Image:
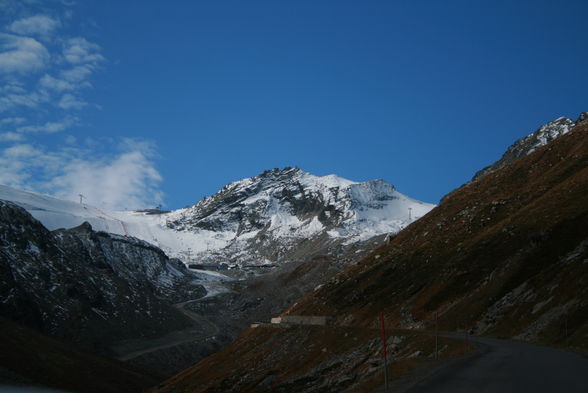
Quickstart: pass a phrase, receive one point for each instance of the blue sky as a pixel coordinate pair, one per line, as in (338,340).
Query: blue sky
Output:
(139,102)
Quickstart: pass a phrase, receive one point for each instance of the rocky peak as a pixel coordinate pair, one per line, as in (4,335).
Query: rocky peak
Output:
(527,145)
(83,227)
(582,118)
(277,174)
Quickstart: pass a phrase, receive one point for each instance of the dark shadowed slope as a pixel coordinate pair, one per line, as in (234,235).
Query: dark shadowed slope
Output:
(28,358)
(90,288)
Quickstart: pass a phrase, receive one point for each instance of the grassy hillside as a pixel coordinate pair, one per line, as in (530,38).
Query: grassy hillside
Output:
(507,255)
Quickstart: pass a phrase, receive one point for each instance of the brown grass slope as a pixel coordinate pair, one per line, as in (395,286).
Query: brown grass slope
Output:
(30,359)
(310,359)
(506,255)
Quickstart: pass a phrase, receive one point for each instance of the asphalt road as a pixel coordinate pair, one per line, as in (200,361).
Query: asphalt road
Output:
(504,366)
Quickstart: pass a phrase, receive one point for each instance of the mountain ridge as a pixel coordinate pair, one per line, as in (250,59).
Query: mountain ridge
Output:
(253,221)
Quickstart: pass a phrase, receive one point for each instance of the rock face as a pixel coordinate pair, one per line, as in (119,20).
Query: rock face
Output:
(531,142)
(91,288)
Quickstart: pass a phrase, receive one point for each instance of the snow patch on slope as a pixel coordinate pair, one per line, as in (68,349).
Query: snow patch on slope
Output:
(548,132)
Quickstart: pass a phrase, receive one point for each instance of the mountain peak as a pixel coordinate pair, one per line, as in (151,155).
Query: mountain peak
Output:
(258,219)
(280,172)
(528,144)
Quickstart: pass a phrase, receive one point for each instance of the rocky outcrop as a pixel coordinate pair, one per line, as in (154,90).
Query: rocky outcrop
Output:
(527,145)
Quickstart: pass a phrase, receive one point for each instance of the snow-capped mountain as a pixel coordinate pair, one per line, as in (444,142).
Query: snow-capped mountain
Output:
(260,220)
(527,145)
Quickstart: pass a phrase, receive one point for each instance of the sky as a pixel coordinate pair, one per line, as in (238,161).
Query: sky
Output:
(138,103)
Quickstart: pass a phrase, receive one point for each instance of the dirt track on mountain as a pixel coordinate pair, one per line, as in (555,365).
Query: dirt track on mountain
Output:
(205,329)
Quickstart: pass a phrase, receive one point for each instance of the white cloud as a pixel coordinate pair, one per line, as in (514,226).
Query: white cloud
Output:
(66,63)
(21,55)
(16,163)
(21,151)
(12,87)
(40,25)
(48,90)
(69,101)
(77,74)
(81,51)
(49,82)
(146,147)
(26,99)
(11,137)
(13,120)
(128,179)
(49,127)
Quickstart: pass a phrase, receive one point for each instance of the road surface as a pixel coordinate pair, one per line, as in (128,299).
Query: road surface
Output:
(504,366)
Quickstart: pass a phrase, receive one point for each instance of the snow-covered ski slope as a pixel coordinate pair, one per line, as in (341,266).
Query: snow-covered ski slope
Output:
(56,213)
(284,205)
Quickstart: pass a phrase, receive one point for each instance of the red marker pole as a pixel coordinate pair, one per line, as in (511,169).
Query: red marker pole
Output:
(385,350)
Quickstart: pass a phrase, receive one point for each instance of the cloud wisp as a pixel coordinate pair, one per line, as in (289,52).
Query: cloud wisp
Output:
(39,25)
(44,72)
(21,55)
